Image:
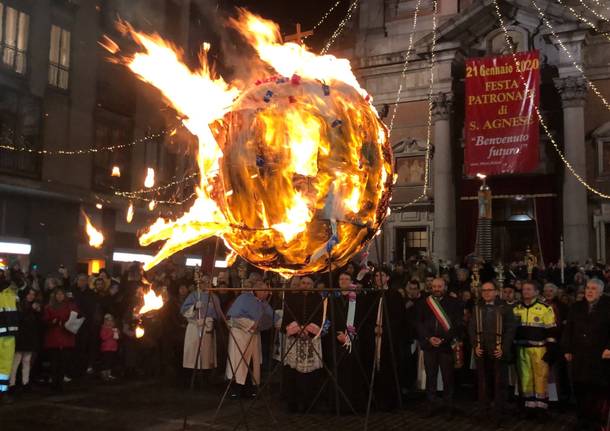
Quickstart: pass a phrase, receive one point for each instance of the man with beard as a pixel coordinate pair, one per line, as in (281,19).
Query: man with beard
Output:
(409,352)
(586,346)
(302,324)
(439,321)
(380,337)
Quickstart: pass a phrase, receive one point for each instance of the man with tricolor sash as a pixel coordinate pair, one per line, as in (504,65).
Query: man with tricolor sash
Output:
(439,326)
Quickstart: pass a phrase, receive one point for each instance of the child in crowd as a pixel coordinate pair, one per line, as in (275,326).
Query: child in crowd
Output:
(109,346)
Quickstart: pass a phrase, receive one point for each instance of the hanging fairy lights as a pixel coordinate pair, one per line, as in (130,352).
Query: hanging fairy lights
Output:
(565,161)
(405,65)
(583,19)
(424,192)
(348,16)
(324,17)
(165,186)
(577,66)
(80,152)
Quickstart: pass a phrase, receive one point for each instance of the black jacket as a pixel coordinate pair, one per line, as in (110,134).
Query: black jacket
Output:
(585,336)
(30,327)
(488,336)
(428,326)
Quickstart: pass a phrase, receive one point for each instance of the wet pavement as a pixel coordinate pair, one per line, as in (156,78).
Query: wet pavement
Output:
(156,406)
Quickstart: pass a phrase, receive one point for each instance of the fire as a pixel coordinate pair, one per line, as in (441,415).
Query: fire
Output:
(116,172)
(152,302)
(96,238)
(149,181)
(285,161)
(139,332)
(129,215)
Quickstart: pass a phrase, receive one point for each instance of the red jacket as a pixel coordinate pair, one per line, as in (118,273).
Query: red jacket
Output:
(108,344)
(56,336)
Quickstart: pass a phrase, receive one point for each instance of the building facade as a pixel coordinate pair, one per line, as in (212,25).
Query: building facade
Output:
(58,91)
(529,210)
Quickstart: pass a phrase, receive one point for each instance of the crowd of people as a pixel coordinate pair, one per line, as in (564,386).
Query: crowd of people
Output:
(367,337)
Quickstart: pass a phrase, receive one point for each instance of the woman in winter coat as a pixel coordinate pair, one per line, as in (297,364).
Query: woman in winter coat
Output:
(58,340)
(27,340)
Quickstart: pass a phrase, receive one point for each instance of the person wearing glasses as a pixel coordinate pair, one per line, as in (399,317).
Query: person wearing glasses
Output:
(492,331)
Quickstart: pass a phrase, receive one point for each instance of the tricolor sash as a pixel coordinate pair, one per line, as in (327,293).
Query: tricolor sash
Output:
(439,312)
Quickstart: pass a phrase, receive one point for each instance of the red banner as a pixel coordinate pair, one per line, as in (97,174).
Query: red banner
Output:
(501,122)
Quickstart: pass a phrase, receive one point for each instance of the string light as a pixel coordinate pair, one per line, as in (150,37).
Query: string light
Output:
(348,16)
(328,12)
(157,189)
(151,205)
(537,110)
(569,54)
(82,151)
(585,20)
(404,68)
(593,11)
(424,192)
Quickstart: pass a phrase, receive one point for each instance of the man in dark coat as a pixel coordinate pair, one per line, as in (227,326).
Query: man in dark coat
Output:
(87,346)
(439,323)
(492,331)
(586,346)
(380,335)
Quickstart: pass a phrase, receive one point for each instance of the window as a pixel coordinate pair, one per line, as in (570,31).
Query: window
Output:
(14,29)
(59,57)
(417,239)
(411,242)
(19,127)
(109,133)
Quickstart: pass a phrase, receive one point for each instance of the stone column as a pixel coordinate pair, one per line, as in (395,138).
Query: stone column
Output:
(443,184)
(573,91)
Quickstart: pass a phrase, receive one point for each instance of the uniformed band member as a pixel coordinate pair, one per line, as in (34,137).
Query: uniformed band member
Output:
(492,331)
(536,347)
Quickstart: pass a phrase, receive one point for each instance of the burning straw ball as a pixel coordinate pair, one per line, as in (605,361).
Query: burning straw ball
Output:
(307,171)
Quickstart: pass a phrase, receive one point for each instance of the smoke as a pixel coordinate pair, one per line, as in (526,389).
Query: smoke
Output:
(236,59)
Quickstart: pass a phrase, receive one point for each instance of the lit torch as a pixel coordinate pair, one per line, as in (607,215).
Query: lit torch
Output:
(96,238)
(152,302)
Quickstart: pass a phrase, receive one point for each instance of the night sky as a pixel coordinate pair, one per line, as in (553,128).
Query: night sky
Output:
(288,12)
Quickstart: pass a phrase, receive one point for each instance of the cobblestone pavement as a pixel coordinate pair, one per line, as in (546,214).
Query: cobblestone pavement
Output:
(153,406)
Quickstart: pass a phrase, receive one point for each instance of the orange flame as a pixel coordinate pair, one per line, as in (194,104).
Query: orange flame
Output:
(96,238)
(152,302)
(116,172)
(285,162)
(139,332)
(129,215)
(149,181)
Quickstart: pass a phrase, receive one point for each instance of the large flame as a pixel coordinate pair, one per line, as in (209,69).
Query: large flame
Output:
(152,302)
(287,161)
(96,238)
